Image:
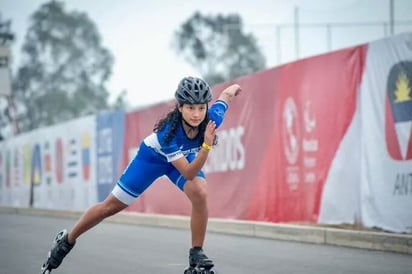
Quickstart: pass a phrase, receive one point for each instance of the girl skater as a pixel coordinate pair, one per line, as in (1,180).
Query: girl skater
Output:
(178,148)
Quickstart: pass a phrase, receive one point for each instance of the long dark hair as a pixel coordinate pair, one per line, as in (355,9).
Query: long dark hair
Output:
(174,118)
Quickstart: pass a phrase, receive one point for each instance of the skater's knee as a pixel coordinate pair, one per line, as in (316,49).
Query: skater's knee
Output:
(196,190)
(200,196)
(111,206)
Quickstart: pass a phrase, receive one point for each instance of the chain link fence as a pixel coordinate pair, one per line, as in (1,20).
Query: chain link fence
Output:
(285,43)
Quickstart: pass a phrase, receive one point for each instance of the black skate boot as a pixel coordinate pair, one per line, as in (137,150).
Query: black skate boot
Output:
(199,263)
(61,247)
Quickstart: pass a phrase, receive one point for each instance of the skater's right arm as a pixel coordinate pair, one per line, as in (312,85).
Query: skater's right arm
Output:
(190,170)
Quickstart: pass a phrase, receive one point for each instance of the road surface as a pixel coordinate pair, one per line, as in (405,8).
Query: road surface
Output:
(130,249)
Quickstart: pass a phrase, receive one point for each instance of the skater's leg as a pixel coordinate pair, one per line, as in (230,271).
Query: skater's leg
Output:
(196,191)
(65,241)
(137,177)
(94,215)
(134,181)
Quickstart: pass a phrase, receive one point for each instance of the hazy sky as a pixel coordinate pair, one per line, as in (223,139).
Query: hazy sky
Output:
(139,33)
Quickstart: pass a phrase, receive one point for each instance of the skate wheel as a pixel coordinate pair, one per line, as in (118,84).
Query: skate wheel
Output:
(60,236)
(189,270)
(46,271)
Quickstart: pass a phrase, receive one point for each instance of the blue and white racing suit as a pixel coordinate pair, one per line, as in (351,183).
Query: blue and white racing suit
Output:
(154,158)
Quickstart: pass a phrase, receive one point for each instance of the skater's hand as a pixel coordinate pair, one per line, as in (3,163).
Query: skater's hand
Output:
(229,93)
(233,90)
(210,133)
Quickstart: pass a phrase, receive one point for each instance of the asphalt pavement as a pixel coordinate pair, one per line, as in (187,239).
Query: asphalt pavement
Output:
(136,244)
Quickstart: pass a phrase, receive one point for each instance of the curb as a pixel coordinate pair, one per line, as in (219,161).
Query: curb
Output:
(381,241)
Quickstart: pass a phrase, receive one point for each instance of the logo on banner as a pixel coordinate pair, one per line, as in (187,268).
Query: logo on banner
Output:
(290,131)
(398,113)
(291,141)
(310,144)
(310,120)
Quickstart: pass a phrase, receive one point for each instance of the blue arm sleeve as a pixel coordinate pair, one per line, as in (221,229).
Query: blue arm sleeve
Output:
(217,112)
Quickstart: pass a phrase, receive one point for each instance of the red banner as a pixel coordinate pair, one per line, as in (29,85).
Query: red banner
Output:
(315,103)
(275,145)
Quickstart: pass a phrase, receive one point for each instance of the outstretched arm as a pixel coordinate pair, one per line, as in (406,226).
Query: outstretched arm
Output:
(219,108)
(229,93)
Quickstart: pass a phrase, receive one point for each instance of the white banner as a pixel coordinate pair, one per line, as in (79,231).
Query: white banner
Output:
(53,167)
(13,191)
(340,196)
(386,111)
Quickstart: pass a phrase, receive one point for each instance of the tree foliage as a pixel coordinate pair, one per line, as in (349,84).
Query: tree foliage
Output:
(218,47)
(64,70)
(6,39)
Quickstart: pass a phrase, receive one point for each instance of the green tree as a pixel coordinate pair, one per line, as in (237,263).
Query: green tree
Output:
(6,101)
(65,68)
(218,47)
(120,102)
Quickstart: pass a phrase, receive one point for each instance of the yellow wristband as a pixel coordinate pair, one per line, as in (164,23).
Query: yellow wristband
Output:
(206,146)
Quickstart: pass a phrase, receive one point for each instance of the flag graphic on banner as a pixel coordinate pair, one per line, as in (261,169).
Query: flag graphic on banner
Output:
(36,166)
(72,158)
(27,159)
(47,162)
(59,161)
(398,114)
(16,167)
(85,156)
(1,169)
(8,169)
